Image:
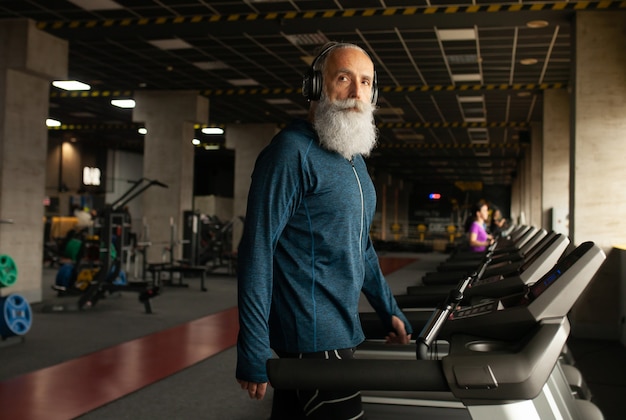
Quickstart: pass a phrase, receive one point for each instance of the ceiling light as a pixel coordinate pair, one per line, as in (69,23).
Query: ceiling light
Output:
(456,34)
(142,130)
(53,123)
(195,142)
(170,44)
(462,58)
(96,4)
(466,77)
(534,24)
(213,130)
(71,85)
(410,137)
(279,101)
(211,65)
(478,135)
(243,82)
(307,39)
(389,111)
(468,99)
(528,61)
(123,103)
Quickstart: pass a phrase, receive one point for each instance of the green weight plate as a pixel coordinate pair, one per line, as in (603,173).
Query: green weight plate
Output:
(8,271)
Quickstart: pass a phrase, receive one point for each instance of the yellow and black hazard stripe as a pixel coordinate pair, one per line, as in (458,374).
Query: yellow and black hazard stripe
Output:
(454,124)
(250,91)
(327,14)
(439,146)
(471,88)
(92,94)
(93,127)
(255,91)
(382,125)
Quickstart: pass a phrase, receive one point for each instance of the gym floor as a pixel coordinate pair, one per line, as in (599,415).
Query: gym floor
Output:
(116,361)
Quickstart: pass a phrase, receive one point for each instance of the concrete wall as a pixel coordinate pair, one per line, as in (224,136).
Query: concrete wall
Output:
(599,140)
(556,150)
(247,140)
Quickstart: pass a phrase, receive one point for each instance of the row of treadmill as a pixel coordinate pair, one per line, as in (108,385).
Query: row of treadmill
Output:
(492,343)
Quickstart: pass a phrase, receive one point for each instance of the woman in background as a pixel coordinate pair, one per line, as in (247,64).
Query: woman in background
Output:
(479,239)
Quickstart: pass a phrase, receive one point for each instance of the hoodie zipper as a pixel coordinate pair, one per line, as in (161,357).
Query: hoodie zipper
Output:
(358,181)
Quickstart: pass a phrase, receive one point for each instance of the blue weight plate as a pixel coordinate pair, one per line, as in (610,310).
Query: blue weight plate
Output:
(16,316)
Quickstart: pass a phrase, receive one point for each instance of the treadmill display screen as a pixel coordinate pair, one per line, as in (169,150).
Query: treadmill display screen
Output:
(536,252)
(551,276)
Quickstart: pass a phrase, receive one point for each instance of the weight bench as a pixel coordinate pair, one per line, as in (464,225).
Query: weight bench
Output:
(158,268)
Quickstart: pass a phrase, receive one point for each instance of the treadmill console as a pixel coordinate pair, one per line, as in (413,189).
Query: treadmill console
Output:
(586,255)
(475,310)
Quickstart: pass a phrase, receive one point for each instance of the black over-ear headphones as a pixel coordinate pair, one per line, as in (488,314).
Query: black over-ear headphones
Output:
(312,82)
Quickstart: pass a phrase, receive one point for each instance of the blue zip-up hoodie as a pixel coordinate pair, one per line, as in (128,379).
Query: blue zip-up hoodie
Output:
(305,254)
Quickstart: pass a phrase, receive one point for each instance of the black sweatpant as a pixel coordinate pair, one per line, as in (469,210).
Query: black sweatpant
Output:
(317,404)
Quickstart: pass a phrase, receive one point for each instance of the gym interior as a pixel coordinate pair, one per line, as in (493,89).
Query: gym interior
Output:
(118,249)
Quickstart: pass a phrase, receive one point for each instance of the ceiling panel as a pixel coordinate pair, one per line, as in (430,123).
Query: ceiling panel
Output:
(438,97)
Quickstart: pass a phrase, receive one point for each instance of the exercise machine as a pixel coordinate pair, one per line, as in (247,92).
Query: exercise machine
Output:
(113,233)
(502,362)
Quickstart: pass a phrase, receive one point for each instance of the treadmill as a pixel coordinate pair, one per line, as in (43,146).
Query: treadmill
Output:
(499,264)
(543,257)
(513,253)
(517,251)
(502,361)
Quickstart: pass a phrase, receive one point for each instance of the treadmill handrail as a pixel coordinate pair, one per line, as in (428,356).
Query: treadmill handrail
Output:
(358,374)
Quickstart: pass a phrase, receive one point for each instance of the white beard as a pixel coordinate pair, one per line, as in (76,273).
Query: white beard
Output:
(343,129)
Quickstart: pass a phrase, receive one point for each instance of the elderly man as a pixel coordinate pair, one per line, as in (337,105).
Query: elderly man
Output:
(305,255)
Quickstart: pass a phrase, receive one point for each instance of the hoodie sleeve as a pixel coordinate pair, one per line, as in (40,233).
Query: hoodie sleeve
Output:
(378,293)
(275,193)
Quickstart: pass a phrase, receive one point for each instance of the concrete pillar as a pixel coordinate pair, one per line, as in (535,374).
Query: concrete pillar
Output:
(247,140)
(516,197)
(599,139)
(598,142)
(30,60)
(535,164)
(169,117)
(556,151)
(386,206)
(524,176)
(393,196)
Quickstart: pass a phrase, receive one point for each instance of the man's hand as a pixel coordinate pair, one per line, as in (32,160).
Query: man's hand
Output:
(255,391)
(399,335)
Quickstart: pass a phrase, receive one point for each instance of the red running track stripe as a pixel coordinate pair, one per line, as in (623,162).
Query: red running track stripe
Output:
(390,264)
(75,387)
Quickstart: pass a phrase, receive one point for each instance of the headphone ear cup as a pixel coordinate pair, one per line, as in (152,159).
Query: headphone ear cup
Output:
(375,89)
(307,80)
(374,96)
(316,85)
(312,85)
